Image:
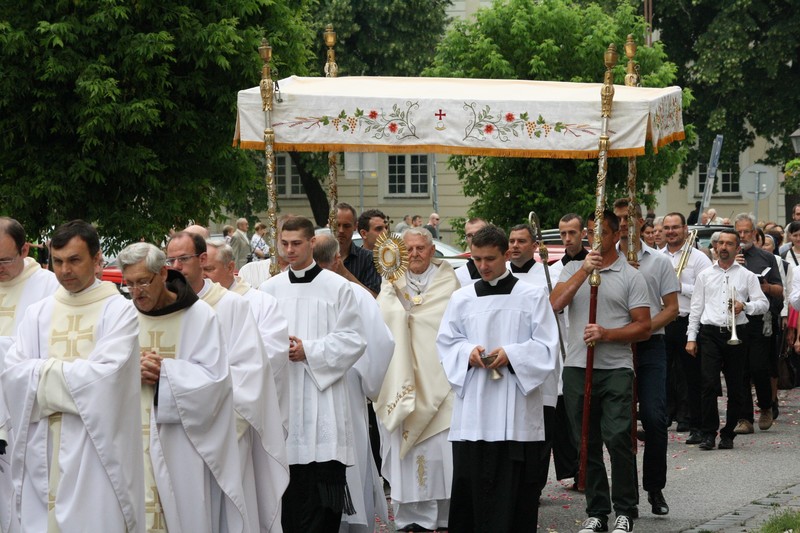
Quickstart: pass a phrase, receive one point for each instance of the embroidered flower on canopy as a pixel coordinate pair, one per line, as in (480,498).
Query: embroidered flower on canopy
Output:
(373,114)
(393,127)
(488,129)
(510,117)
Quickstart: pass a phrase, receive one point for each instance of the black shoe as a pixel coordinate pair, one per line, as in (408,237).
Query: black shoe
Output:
(725,443)
(592,524)
(682,427)
(640,434)
(775,411)
(695,437)
(659,504)
(707,444)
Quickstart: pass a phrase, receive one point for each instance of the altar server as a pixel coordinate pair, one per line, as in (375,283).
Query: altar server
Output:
(325,336)
(364,381)
(498,424)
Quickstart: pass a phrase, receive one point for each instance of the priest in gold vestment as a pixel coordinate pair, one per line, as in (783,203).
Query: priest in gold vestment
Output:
(72,388)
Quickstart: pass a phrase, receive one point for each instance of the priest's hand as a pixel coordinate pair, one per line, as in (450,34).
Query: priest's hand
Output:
(151,367)
(475,357)
(297,353)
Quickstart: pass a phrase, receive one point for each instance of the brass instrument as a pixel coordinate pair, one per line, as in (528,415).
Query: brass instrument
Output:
(686,250)
(734,340)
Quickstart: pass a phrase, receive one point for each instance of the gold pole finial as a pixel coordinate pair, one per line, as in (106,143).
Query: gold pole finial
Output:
(632,69)
(331,68)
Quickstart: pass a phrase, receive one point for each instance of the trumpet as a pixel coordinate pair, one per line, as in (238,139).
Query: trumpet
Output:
(734,340)
(686,249)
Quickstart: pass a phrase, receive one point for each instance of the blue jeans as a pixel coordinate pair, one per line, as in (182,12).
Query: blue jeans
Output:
(651,379)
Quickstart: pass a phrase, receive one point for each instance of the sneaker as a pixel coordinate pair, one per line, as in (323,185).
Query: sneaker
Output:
(592,524)
(725,443)
(744,427)
(624,524)
(765,419)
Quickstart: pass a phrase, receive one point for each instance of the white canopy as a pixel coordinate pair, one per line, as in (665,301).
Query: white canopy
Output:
(513,118)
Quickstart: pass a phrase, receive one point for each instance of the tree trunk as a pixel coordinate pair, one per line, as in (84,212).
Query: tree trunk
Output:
(317,198)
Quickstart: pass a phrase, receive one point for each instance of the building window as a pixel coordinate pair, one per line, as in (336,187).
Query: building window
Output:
(408,175)
(287,178)
(726,184)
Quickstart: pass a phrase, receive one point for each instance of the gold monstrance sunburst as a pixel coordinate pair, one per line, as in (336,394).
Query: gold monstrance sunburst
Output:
(390,256)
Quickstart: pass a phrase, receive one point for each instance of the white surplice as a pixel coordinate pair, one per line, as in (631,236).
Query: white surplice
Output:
(193,448)
(523,324)
(85,379)
(260,429)
(324,315)
(32,284)
(274,332)
(364,381)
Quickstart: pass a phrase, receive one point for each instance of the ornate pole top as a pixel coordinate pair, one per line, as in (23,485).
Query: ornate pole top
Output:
(331,68)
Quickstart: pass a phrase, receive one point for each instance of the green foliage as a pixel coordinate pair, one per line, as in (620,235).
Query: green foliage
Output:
(740,58)
(792,175)
(383,37)
(787,521)
(556,40)
(121,112)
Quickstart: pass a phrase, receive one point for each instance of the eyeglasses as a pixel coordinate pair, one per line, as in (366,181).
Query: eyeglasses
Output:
(182,259)
(133,285)
(6,262)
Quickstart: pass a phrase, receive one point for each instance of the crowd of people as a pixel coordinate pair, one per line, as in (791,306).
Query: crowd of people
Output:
(220,397)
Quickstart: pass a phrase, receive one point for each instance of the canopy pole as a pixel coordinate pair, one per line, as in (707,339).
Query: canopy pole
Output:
(632,79)
(332,71)
(267,92)
(606,97)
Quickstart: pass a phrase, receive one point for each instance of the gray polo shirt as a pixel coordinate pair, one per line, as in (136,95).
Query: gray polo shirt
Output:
(622,288)
(659,275)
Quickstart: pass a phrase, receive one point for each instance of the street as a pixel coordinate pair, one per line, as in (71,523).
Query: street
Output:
(704,485)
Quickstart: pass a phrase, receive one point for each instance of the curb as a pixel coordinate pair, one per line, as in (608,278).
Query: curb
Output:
(751,517)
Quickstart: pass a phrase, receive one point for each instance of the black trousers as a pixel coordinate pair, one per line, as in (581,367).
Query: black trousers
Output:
(495,487)
(718,355)
(757,366)
(683,375)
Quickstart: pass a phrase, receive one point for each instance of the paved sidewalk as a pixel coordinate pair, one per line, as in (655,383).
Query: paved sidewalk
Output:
(728,491)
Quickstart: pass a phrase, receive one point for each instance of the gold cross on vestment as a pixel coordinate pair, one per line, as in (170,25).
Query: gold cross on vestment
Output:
(6,311)
(155,345)
(71,336)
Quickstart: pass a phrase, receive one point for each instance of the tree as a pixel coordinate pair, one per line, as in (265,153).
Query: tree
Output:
(556,40)
(740,59)
(374,38)
(121,112)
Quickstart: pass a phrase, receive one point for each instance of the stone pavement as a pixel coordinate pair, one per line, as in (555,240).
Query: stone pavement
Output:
(725,491)
(728,491)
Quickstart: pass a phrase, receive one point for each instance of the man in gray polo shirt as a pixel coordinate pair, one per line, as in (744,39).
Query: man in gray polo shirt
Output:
(651,355)
(623,317)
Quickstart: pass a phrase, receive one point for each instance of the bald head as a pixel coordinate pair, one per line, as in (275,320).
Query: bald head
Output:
(198,230)
(326,250)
